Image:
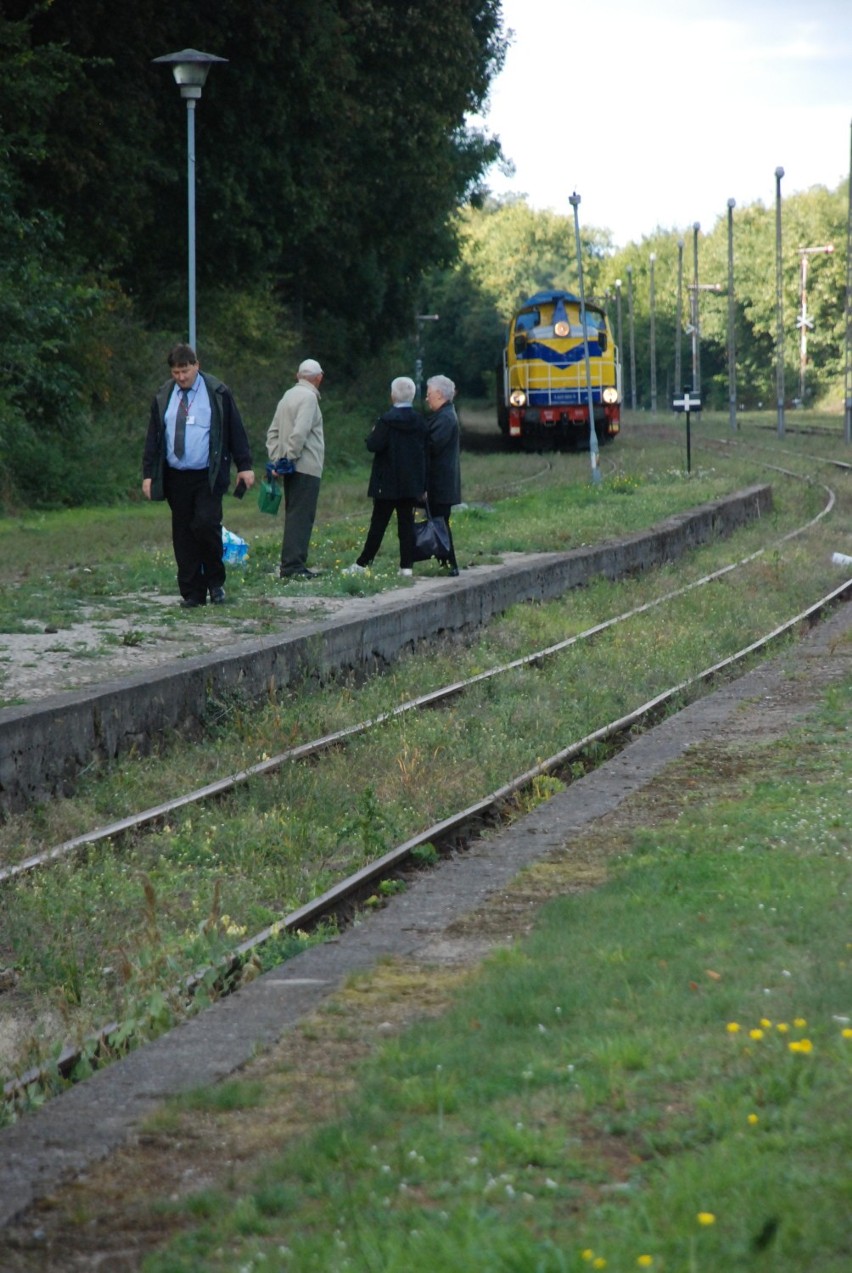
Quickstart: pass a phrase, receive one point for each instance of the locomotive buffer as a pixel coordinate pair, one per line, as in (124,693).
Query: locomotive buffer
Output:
(688,403)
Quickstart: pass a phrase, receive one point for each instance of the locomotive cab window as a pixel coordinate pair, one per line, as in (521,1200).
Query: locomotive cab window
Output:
(524,325)
(526,321)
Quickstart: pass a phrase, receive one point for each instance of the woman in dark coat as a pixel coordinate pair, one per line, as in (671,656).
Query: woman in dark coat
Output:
(442,442)
(398,477)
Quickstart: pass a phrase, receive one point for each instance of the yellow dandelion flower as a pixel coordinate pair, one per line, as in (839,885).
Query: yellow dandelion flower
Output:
(801,1046)
(645,1261)
(752,1119)
(800,1023)
(755,1034)
(765,1022)
(706,1218)
(598,1262)
(732,1027)
(588,1254)
(846,1033)
(782,1027)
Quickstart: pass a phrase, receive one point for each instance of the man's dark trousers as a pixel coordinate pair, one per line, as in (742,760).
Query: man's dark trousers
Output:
(196,532)
(301,493)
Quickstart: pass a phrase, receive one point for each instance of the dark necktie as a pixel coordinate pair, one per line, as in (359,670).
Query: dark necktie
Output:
(180,423)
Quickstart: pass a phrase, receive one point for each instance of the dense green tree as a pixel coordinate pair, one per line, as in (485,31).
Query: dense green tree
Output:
(45,297)
(814,217)
(330,150)
(332,154)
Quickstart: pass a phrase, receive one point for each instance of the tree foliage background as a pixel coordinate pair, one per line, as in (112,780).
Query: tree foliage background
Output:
(340,193)
(332,150)
(508,252)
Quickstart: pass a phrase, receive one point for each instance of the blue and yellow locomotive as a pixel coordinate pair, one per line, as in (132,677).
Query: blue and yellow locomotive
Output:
(542,385)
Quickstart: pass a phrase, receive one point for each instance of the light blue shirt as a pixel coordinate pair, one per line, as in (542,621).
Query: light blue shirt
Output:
(196,453)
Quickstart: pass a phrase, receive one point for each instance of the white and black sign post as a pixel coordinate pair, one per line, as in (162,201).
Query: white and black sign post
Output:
(687,404)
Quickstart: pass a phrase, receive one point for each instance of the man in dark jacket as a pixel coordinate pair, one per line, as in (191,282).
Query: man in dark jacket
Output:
(398,477)
(194,431)
(442,433)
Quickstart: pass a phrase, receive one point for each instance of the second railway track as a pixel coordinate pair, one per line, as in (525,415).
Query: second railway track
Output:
(453,825)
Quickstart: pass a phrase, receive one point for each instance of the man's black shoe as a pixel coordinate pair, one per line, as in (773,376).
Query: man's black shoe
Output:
(454,572)
(217,596)
(300,574)
(190,603)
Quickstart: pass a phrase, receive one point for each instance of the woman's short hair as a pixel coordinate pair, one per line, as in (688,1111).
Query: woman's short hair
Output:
(444,385)
(403,390)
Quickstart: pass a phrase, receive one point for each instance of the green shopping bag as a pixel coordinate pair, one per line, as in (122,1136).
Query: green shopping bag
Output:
(269,497)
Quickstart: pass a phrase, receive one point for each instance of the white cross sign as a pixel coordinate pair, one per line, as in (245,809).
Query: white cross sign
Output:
(689,402)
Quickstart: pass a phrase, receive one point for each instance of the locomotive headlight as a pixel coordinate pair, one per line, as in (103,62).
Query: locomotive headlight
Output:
(610,395)
(517,397)
(562,329)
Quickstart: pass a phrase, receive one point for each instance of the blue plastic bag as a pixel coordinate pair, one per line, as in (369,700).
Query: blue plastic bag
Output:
(234,549)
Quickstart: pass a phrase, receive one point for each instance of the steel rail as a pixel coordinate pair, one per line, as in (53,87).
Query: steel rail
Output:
(488,807)
(314,747)
(303,751)
(740,442)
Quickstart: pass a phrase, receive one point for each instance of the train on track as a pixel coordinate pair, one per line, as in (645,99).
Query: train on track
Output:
(542,386)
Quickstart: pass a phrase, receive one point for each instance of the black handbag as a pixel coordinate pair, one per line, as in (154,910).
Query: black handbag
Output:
(431,537)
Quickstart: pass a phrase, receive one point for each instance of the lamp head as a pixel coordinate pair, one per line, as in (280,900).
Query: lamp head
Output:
(190,69)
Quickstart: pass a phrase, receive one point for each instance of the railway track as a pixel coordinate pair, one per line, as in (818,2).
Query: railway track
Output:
(452,831)
(450,834)
(315,747)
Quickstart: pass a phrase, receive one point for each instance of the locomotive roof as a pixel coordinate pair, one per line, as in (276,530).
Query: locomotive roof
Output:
(541,297)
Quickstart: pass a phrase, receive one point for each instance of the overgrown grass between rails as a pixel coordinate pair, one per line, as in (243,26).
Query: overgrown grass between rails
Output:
(220,871)
(247,731)
(656,1078)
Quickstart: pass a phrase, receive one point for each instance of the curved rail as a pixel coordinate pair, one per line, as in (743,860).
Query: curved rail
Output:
(224,786)
(459,826)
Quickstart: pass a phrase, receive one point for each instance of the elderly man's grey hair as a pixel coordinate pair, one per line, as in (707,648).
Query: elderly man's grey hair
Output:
(403,390)
(444,386)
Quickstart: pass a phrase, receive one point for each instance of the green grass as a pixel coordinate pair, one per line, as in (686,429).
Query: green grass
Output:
(586,1101)
(60,566)
(174,899)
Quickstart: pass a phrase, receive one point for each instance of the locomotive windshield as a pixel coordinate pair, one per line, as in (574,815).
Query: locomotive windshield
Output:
(532,324)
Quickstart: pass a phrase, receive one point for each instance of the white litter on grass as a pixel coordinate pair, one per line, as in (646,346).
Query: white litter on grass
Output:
(840,559)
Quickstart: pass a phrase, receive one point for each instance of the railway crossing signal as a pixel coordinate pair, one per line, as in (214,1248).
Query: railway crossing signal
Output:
(691,401)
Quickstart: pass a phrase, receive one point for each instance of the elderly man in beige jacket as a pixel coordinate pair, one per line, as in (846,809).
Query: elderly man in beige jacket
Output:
(295,436)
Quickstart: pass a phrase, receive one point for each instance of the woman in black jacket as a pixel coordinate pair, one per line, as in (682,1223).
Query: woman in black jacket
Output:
(442,434)
(398,477)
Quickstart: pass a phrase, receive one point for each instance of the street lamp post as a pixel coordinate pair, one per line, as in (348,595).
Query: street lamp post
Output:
(618,320)
(696,337)
(804,323)
(632,337)
(190,69)
(779,307)
(732,354)
(420,319)
(653,336)
(678,387)
(574,200)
